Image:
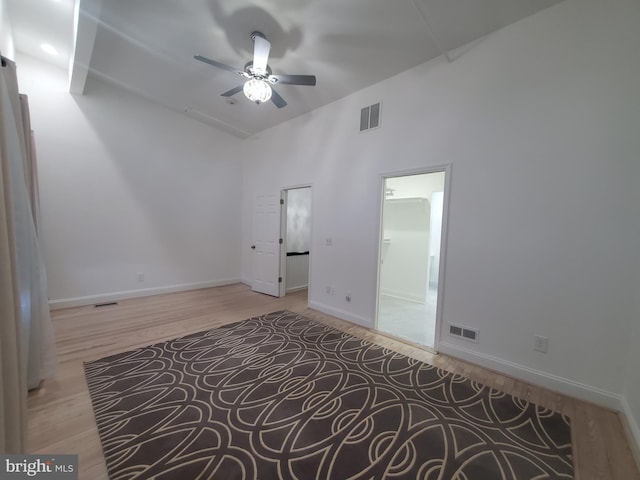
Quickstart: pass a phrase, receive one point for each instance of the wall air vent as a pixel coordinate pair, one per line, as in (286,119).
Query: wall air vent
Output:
(106,304)
(466,333)
(370,117)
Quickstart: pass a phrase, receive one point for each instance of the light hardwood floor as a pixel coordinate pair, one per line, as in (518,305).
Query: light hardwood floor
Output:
(61,419)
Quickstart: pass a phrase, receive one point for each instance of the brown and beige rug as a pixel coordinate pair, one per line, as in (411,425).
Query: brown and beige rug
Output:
(284,397)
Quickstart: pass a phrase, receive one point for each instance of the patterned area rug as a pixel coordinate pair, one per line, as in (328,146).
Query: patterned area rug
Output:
(284,397)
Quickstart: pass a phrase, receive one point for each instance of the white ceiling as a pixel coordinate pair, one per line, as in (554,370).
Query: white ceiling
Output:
(147,46)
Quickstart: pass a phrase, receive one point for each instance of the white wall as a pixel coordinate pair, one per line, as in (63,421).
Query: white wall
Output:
(297,272)
(405,251)
(6,33)
(127,186)
(540,122)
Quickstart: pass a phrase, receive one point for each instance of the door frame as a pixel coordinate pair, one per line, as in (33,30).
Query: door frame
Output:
(447,169)
(283,235)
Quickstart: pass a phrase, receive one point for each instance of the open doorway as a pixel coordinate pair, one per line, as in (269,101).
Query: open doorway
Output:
(296,231)
(412,219)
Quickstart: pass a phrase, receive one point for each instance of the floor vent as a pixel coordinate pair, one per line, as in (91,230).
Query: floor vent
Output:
(466,333)
(106,304)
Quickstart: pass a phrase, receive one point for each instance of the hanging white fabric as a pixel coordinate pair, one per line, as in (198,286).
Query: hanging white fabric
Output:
(41,359)
(27,355)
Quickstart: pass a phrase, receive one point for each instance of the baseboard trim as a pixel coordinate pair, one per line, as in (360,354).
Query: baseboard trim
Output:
(552,382)
(403,296)
(536,377)
(297,289)
(343,315)
(143,292)
(632,429)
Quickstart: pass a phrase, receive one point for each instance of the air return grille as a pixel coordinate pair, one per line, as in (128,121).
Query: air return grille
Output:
(370,117)
(466,333)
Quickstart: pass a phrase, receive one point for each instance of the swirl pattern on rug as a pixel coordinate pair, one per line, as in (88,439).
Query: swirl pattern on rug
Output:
(281,396)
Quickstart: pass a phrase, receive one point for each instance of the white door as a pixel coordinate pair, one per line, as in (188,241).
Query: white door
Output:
(266,244)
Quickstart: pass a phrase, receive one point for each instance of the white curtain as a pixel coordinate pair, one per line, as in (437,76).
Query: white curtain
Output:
(27,354)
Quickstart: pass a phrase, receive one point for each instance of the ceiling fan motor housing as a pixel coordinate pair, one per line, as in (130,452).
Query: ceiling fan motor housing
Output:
(248,67)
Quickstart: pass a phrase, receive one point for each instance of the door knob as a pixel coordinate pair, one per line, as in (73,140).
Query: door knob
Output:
(253,247)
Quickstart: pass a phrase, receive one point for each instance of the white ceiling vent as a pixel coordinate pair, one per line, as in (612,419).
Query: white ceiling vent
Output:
(370,117)
(466,333)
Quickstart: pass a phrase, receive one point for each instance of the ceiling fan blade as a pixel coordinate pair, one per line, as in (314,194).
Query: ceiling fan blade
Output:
(309,80)
(232,92)
(277,100)
(261,49)
(218,64)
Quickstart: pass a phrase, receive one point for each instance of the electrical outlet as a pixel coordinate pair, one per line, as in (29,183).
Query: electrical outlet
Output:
(140,277)
(540,343)
(347,297)
(329,242)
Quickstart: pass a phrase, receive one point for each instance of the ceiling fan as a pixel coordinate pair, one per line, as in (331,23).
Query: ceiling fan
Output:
(259,77)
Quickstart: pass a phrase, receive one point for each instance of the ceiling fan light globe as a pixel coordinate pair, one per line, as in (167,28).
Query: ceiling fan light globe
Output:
(257,90)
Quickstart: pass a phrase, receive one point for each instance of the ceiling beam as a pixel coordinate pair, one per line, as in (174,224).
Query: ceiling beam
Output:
(85,27)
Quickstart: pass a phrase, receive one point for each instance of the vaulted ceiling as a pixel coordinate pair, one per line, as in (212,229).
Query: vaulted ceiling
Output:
(147,46)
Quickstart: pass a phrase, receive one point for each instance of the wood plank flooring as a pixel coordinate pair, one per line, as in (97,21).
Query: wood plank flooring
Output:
(61,419)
